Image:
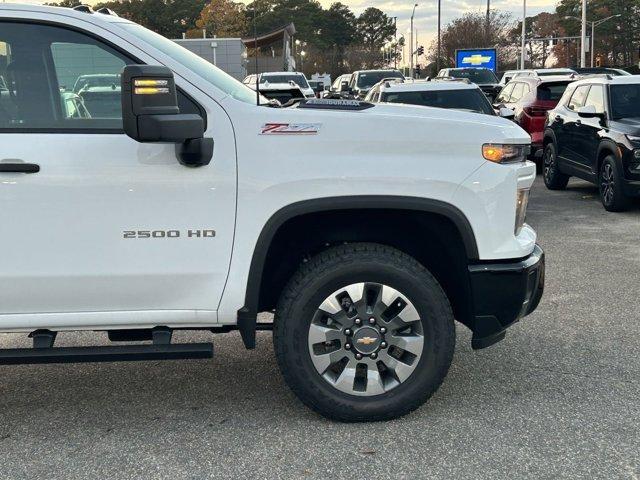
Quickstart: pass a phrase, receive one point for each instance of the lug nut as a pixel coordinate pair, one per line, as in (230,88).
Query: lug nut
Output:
(372,320)
(383,330)
(347,346)
(383,344)
(358,356)
(348,332)
(374,355)
(357,321)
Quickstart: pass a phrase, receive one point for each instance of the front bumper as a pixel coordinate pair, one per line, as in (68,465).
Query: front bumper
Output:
(502,293)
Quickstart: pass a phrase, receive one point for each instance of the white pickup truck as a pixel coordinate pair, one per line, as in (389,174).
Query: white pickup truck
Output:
(179,202)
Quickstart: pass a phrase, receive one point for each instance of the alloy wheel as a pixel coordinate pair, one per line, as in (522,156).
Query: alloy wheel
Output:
(607,183)
(366,339)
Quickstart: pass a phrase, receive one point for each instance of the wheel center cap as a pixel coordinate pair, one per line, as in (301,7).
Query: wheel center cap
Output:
(366,340)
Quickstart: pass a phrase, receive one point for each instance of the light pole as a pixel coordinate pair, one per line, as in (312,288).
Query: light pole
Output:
(438,54)
(524,21)
(411,42)
(395,42)
(594,24)
(583,36)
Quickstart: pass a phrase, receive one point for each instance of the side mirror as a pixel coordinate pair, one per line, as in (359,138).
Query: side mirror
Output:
(150,113)
(344,87)
(589,111)
(506,113)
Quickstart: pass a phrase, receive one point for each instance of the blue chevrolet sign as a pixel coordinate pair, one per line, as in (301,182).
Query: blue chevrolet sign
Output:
(486,58)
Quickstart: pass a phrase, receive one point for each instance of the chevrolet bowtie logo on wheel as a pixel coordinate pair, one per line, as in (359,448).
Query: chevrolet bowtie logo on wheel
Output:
(366,340)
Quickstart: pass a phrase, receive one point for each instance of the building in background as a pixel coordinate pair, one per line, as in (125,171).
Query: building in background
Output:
(228,54)
(275,51)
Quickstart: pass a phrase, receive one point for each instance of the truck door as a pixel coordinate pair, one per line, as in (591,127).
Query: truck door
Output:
(90,220)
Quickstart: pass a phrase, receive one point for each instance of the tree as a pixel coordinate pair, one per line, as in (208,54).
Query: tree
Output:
(543,25)
(616,40)
(469,31)
(223,18)
(167,17)
(374,28)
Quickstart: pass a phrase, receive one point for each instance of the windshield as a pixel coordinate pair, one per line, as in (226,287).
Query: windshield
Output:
(193,62)
(625,101)
(545,73)
(297,78)
(468,99)
(475,75)
(369,79)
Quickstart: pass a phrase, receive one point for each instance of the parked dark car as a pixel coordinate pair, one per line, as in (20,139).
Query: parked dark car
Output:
(362,80)
(594,134)
(483,77)
(531,98)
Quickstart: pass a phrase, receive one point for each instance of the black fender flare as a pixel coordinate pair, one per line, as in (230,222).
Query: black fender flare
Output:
(549,133)
(247,315)
(609,146)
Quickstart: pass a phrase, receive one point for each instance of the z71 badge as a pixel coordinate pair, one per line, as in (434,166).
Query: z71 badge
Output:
(290,128)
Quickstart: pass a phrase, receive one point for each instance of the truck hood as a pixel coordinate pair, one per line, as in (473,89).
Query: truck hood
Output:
(505,130)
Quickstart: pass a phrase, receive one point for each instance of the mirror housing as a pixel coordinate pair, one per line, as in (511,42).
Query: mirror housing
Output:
(589,111)
(344,87)
(150,114)
(507,113)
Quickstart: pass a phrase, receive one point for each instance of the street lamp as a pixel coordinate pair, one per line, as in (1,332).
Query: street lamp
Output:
(524,21)
(411,42)
(594,24)
(302,55)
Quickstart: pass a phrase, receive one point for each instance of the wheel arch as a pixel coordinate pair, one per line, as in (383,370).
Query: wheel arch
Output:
(340,207)
(606,148)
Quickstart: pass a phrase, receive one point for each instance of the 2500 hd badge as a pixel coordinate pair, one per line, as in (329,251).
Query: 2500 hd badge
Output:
(168,234)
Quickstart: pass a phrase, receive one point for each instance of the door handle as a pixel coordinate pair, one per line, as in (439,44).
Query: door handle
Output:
(19,167)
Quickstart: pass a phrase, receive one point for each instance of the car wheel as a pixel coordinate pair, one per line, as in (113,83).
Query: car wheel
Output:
(363,332)
(610,186)
(554,179)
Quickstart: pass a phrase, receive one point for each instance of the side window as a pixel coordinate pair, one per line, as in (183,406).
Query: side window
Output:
(61,80)
(578,97)
(595,97)
(505,94)
(518,92)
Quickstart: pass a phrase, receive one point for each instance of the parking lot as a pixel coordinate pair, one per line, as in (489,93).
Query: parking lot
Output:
(558,398)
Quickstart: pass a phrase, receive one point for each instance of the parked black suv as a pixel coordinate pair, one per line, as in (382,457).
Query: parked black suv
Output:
(594,134)
(483,77)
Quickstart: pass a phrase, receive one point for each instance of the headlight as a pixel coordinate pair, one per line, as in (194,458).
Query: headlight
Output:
(522,199)
(505,153)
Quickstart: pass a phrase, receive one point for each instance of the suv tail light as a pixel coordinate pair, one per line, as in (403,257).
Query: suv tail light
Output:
(537,110)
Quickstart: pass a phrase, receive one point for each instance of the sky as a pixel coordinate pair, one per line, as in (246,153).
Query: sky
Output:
(425,20)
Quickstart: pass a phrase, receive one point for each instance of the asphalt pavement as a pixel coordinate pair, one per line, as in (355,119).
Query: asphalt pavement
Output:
(558,398)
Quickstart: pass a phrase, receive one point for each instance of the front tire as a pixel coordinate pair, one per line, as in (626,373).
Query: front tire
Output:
(554,179)
(363,332)
(610,186)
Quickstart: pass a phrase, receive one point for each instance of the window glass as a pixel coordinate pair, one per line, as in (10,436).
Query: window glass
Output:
(369,79)
(472,100)
(551,91)
(505,93)
(518,92)
(595,97)
(53,78)
(475,75)
(58,79)
(297,78)
(625,101)
(578,97)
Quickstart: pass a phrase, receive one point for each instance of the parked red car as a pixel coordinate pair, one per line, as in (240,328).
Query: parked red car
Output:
(531,98)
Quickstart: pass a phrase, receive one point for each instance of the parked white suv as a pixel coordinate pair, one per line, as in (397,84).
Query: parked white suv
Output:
(271,80)
(366,229)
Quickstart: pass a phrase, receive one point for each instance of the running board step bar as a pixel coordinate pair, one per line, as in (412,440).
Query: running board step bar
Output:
(111,353)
